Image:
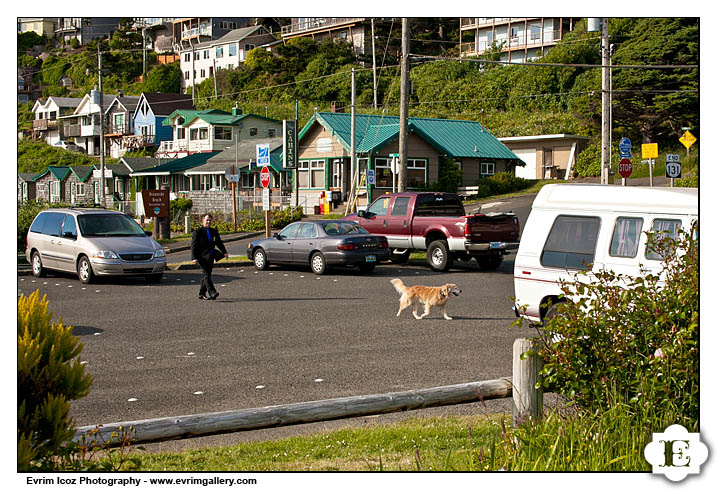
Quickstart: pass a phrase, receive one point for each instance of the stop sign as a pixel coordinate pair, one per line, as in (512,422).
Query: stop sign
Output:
(264,177)
(625,168)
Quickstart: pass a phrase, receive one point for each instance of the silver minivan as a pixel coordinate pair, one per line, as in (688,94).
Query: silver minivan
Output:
(92,242)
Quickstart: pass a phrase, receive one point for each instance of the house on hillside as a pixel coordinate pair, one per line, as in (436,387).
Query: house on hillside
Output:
(212,130)
(47,124)
(83,125)
(118,123)
(357,31)
(152,109)
(325,145)
(190,31)
(199,62)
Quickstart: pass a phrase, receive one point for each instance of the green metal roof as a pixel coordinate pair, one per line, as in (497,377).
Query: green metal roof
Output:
(212,116)
(177,165)
(455,138)
(60,172)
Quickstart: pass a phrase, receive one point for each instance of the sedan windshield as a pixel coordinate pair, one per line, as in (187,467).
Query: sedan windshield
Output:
(343,228)
(109,226)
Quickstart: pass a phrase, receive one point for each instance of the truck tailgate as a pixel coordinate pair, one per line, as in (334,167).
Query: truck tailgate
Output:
(492,227)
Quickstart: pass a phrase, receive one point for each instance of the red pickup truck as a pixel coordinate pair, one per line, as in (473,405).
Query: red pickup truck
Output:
(438,224)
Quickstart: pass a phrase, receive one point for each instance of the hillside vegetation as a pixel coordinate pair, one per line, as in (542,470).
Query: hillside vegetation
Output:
(558,93)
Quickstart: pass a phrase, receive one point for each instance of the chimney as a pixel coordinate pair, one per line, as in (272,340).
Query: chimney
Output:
(236,111)
(119,93)
(336,108)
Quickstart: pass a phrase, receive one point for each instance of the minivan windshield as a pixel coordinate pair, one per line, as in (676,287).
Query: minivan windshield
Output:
(108,225)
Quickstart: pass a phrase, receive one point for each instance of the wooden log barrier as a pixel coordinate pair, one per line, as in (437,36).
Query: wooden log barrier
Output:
(172,428)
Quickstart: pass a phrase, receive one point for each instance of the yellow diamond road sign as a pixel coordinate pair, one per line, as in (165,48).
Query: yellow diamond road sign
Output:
(687,139)
(649,151)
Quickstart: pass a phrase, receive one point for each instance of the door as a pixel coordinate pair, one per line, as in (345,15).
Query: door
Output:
(281,249)
(529,157)
(66,244)
(398,223)
(305,243)
(50,246)
(375,217)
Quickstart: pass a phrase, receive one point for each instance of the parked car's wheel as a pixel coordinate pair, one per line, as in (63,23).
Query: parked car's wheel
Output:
(154,278)
(438,255)
(367,267)
(400,258)
(260,259)
(37,268)
(489,262)
(84,270)
(318,263)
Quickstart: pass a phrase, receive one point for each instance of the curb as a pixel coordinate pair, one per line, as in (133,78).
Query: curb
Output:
(185,247)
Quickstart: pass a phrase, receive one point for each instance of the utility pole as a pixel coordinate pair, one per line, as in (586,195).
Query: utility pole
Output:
(404,105)
(373,61)
(352,150)
(102,126)
(605,103)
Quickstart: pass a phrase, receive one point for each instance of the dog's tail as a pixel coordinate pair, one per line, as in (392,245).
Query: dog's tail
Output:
(399,285)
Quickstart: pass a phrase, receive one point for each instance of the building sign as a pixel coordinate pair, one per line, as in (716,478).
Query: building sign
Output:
(290,144)
(156,202)
(262,154)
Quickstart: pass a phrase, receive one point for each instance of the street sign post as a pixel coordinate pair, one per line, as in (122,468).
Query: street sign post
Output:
(650,151)
(233,178)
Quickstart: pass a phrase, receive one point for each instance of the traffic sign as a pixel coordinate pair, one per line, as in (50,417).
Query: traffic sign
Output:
(262,154)
(264,177)
(673,167)
(370,177)
(687,139)
(624,146)
(625,168)
(649,150)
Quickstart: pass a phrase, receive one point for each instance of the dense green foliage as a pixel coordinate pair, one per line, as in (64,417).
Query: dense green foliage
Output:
(49,376)
(631,340)
(501,183)
(35,156)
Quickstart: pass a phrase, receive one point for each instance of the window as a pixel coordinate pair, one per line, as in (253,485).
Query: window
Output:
(337,173)
(186,75)
(118,121)
(181,133)
(48,223)
(626,234)
(196,55)
(69,226)
(230,66)
(54,190)
(248,180)
(248,47)
(203,133)
(202,73)
(382,173)
(535,33)
(307,231)
(53,115)
(433,205)
(415,173)
(222,133)
(271,133)
(571,243)
(380,207)
(232,50)
(187,57)
(193,134)
(514,32)
(303,173)
(663,228)
(317,173)
(253,131)
(205,54)
(488,169)
(218,52)
(401,206)
(80,189)
(290,231)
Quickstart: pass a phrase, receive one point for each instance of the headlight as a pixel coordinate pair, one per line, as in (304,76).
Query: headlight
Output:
(105,255)
(159,253)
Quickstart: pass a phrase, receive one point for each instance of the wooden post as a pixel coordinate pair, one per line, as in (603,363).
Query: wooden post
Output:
(527,400)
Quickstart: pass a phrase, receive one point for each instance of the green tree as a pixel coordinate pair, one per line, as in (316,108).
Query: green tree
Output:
(164,78)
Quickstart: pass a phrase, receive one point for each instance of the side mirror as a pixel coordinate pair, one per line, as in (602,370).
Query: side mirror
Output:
(277,236)
(148,233)
(361,214)
(69,235)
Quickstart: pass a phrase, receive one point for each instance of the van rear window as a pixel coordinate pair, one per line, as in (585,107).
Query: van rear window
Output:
(571,243)
(662,228)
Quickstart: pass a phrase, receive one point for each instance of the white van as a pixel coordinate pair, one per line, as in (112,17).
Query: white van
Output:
(574,227)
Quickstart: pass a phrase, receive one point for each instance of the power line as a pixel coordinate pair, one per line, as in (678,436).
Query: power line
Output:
(558,65)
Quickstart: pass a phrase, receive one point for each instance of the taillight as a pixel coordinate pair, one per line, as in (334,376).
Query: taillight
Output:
(384,244)
(467,228)
(347,246)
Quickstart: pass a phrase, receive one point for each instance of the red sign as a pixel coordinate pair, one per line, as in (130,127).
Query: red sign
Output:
(625,168)
(264,177)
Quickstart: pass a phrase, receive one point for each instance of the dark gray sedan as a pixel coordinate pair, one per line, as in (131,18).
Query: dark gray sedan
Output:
(321,243)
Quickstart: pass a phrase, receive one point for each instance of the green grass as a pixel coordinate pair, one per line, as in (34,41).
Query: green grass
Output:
(608,441)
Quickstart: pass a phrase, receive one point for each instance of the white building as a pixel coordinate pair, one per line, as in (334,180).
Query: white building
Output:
(202,60)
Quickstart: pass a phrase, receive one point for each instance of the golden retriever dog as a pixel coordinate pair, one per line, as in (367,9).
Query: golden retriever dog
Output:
(428,295)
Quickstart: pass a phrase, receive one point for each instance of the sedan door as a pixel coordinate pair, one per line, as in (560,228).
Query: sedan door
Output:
(280,250)
(305,243)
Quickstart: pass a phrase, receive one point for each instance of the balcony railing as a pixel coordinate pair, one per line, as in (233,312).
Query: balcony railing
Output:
(316,23)
(44,124)
(70,130)
(522,40)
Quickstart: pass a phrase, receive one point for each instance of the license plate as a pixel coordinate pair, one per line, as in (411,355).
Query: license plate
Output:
(495,245)
(370,259)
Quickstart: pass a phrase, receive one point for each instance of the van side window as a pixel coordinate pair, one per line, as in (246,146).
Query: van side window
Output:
(38,224)
(571,243)
(53,223)
(69,226)
(663,227)
(626,234)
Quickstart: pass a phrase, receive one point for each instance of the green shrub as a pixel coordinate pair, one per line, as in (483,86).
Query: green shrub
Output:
(588,162)
(49,375)
(501,183)
(631,337)
(178,208)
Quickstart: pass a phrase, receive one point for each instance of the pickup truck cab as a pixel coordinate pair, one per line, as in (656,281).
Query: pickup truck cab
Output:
(438,224)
